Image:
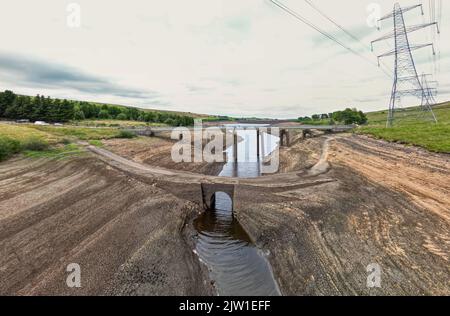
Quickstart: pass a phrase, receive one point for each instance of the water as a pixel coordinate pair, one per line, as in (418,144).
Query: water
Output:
(236,265)
(248,165)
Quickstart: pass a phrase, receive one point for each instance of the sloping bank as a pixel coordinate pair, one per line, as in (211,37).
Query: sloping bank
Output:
(129,238)
(323,240)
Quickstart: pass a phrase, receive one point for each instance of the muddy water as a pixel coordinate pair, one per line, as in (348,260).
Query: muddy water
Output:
(236,265)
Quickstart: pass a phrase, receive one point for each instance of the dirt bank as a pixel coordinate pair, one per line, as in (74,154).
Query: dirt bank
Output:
(127,237)
(322,238)
(301,154)
(334,212)
(156,151)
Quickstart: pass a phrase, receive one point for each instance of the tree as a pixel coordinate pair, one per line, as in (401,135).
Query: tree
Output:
(79,115)
(11,112)
(170,121)
(28,109)
(104,114)
(66,111)
(316,117)
(304,119)
(90,110)
(150,116)
(114,111)
(350,116)
(133,114)
(6,99)
(121,116)
(55,110)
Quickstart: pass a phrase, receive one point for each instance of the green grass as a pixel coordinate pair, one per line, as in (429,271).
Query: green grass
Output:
(23,133)
(47,141)
(80,133)
(114,123)
(8,147)
(409,128)
(59,152)
(18,138)
(96,143)
(50,141)
(126,134)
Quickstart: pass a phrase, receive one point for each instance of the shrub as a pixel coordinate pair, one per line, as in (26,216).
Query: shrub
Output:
(126,134)
(65,141)
(122,117)
(170,121)
(79,115)
(104,114)
(96,142)
(35,144)
(8,147)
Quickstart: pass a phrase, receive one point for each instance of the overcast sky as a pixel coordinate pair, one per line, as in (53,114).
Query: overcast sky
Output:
(229,57)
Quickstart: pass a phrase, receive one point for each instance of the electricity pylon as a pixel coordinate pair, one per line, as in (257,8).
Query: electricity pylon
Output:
(406,79)
(429,91)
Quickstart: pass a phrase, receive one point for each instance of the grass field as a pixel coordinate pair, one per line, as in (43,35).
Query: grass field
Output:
(51,141)
(114,123)
(413,129)
(79,133)
(25,132)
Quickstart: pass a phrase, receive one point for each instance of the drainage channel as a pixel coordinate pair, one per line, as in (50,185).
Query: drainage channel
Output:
(236,265)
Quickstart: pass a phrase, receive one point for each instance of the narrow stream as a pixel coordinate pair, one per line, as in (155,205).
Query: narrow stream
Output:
(236,265)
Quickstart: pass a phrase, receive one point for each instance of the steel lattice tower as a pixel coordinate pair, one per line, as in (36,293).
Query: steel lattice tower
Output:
(406,79)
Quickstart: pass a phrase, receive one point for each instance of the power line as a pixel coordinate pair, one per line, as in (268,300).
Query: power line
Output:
(334,22)
(324,33)
(406,79)
(353,37)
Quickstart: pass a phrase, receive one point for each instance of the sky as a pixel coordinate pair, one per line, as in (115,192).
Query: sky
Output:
(240,58)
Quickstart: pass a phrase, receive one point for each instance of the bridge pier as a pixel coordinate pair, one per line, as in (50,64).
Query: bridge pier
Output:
(235,146)
(284,138)
(262,146)
(257,142)
(306,133)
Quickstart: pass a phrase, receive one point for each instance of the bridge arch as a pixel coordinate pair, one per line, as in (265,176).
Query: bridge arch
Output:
(222,201)
(210,198)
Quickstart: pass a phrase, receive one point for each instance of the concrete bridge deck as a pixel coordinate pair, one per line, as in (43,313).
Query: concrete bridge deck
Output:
(251,126)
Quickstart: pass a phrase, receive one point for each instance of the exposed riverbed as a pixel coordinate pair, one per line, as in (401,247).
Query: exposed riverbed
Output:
(236,265)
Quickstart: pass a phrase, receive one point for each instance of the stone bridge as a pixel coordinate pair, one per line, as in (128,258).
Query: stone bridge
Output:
(200,188)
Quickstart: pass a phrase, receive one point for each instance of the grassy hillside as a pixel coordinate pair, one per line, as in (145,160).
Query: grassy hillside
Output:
(50,141)
(114,123)
(411,128)
(194,115)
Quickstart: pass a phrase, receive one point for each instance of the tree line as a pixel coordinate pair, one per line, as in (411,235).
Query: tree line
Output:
(347,116)
(41,108)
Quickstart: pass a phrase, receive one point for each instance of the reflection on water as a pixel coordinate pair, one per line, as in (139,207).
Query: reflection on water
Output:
(248,165)
(236,265)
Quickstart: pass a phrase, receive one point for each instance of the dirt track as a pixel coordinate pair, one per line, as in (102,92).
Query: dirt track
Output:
(378,203)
